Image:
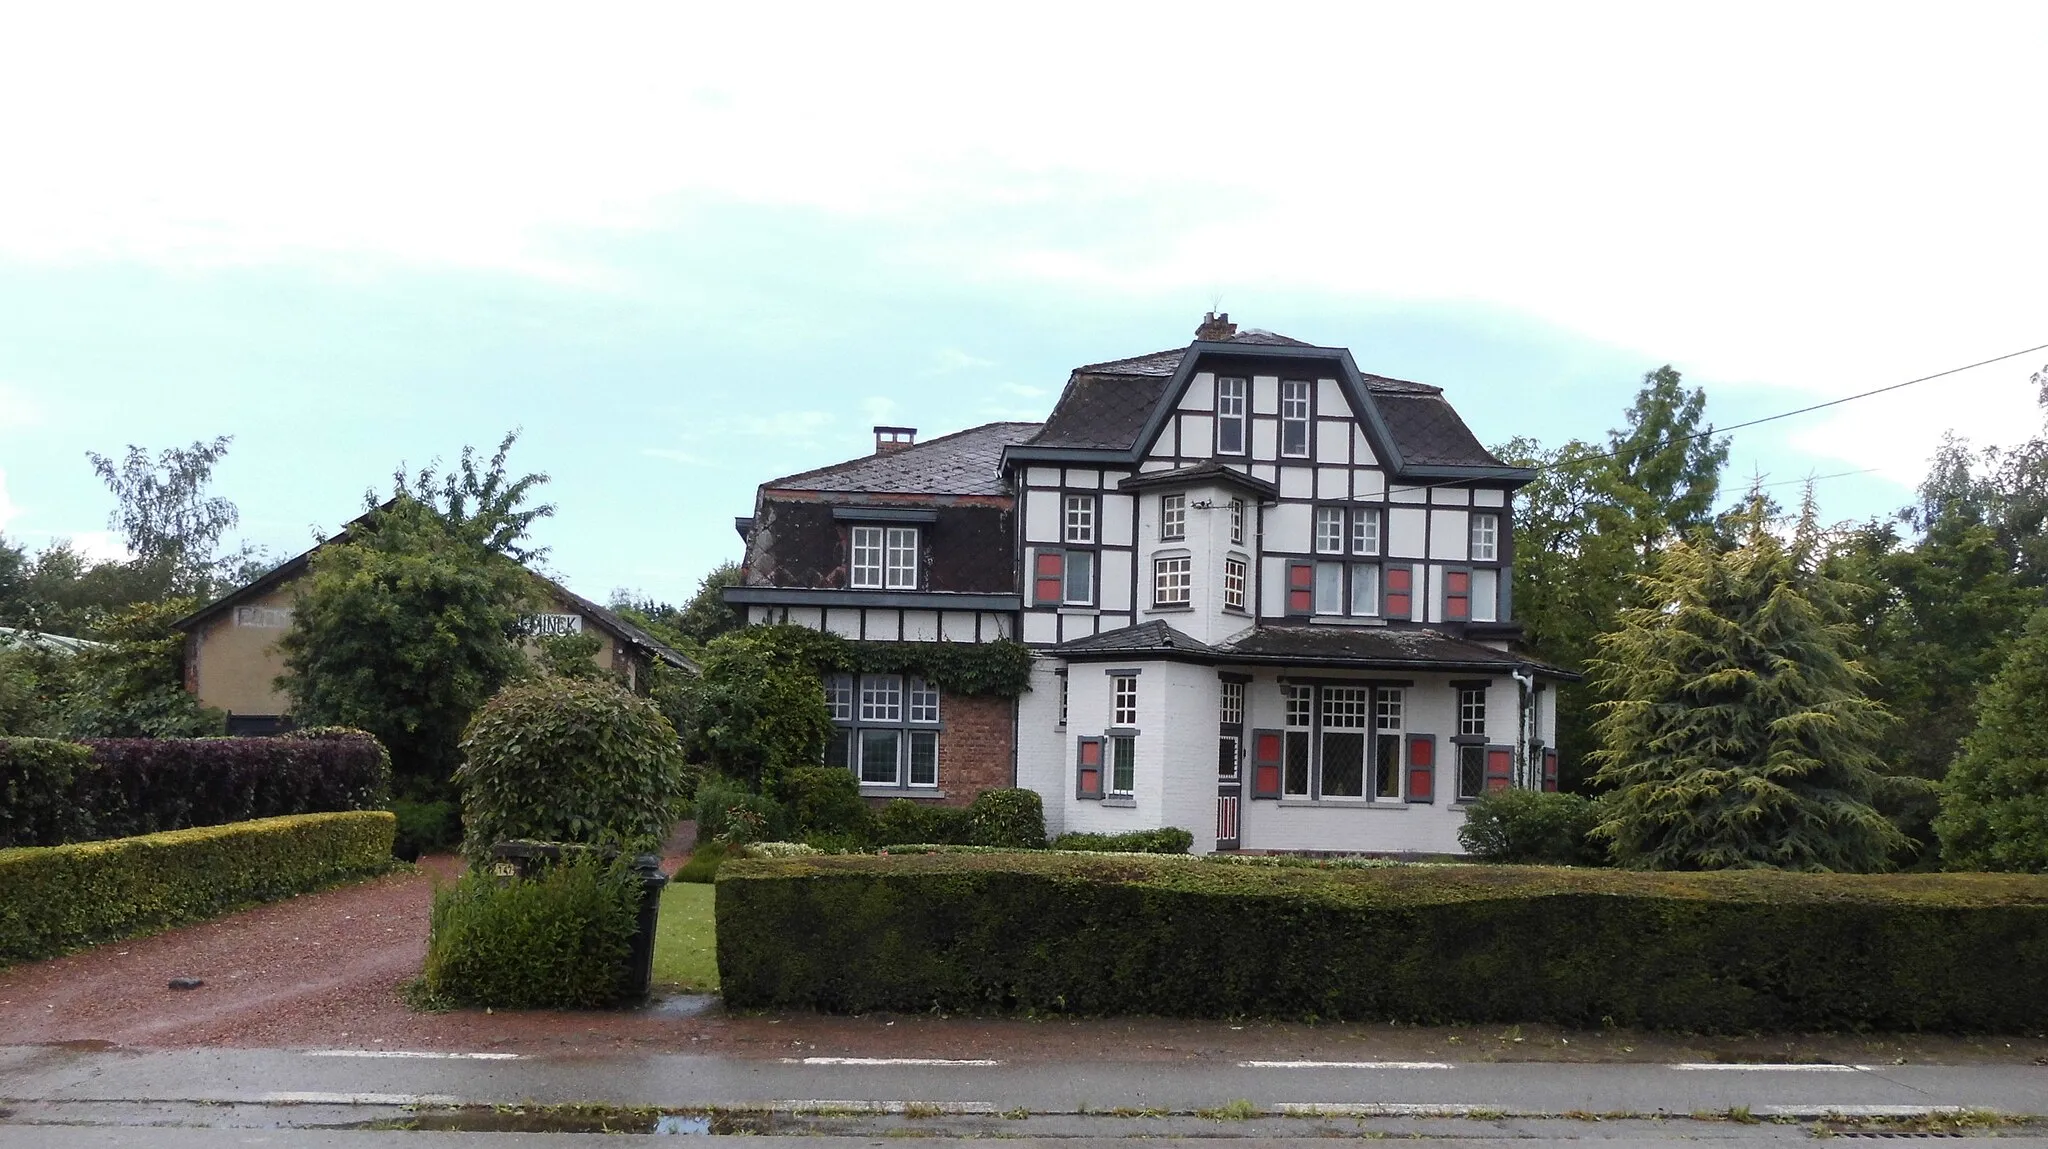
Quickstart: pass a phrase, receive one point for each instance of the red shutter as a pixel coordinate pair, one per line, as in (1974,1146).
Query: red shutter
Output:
(1301,587)
(1500,767)
(1048,577)
(1422,767)
(1550,771)
(1267,746)
(1400,592)
(1088,779)
(1457,596)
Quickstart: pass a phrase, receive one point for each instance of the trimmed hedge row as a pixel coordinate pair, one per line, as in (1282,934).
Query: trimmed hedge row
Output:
(1703,952)
(58,898)
(1170,840)
(135,786)
(557,940)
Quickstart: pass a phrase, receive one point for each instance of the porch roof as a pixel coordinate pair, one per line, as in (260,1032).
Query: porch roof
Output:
(1394,647)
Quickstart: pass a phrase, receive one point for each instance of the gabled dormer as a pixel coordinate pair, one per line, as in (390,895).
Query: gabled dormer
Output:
(1378,505)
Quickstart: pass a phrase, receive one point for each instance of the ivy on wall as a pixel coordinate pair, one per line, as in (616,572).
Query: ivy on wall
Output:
(1000,669)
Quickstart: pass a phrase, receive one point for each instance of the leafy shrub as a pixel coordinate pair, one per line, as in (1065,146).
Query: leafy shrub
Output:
(1734,951)
(563,760)
(779,850)
(1994,803)
(822,800)
(1170,840)
(759,706)
(147,785)
(903,822)
(719,798)
(37,776)
(61,897)
(704,862)
(426,828)
(557,940)
(1011,819)
(1531,826)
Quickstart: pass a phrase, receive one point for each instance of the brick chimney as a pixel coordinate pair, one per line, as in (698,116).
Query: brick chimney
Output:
(1215,328)
(889,439)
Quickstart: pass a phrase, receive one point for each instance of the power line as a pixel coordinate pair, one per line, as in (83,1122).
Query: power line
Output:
(1805,410)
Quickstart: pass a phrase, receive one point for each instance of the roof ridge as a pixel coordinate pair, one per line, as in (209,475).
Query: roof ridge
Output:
(900,451)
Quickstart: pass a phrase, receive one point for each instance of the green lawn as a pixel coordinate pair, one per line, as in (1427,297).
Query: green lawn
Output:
(685,954)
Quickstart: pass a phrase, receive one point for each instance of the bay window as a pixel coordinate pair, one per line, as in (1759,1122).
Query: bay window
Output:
(1342,742)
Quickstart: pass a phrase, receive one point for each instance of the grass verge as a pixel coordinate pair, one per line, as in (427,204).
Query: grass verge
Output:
(685,944)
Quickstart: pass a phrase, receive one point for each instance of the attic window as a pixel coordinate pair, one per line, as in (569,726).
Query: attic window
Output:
(1230,416)
(1294,415)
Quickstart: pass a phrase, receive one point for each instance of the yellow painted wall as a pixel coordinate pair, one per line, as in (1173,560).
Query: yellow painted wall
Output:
(233,659)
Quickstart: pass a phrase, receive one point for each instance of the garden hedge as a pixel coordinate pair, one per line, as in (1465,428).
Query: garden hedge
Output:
(134,786)
(57,898)
(1703,952)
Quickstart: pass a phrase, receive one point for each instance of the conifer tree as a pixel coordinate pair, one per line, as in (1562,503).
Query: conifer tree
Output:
(1994,806)
(1738,733)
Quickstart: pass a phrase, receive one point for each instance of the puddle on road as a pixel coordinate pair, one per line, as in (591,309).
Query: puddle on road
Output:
(578,1119)
(684,1005)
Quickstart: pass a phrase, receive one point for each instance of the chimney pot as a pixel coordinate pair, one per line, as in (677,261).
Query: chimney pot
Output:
(889,439)
(1216,327)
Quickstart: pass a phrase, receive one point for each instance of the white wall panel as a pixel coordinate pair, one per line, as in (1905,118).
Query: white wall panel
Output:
(1168,444)
(1450,496)
(1288,526)
(956,626)
(1116,579)
(920,626)
(1265,439)
(1401,494)
(994,626)
(1333,441)
(1042,476)
(1333,483)
(1073,626)
(1201,393)
(1265,394)
(1040,627)
(1489,497)
(1273,587)
(1448,535)
(1330,400)
(1197,436)
(1297,483)
(1042,516)
(845,622)
(1361,451)
(1405,529)
(1084,477)
(1116,519)
(1368,483)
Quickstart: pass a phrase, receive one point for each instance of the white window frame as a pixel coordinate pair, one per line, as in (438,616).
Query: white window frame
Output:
(1122,754)
(1230,708)
(1080,518)
(900,559)
(1472,712)
(906,709)
(1365,531)
(1230,409)
(1364,603)
(1485,592)
(1485,532)
(1173,581)
(1329,589)
(881,698)
(1298,410)
(1237,522)
(1329,538)
(865,563)
(1123,701)
(1173,518)
(1234,570)
(1086,597)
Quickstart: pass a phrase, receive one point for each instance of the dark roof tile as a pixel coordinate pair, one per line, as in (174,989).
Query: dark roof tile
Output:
(1102,410)
(1154,637)
(1430,433)
(964,463)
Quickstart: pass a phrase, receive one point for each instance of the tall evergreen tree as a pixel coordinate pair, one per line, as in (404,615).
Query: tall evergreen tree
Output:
(1737,732)
(1994,806)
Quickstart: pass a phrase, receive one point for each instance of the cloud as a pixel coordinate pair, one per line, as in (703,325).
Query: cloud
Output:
(951,359)
(879,409)
(674,456)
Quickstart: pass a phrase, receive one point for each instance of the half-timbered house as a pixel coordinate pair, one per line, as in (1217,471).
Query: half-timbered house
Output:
(1268,597)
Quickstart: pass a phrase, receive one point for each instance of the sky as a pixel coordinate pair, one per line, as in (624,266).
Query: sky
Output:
(689,250)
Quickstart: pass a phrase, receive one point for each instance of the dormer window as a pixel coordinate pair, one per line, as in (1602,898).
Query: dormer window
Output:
(1080,518)
(1485,538)
(1230,419)
(1173,517)
(884,558)
(1294,415)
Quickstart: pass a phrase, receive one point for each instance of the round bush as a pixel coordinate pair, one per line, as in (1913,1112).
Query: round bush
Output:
(1010,819)
(560,760)
(822,800)
(1531,827)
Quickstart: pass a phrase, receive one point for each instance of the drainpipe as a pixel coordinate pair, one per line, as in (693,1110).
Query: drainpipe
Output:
(1525,728)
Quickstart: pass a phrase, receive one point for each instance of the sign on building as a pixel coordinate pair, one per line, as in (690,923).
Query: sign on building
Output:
(264,617)
(553,625)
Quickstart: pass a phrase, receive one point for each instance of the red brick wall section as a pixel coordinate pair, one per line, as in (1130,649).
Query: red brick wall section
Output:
(975,748)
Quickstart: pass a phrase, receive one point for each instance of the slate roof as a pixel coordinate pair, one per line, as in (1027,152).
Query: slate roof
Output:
(623,631)
(1429,432)
(1106,405)
(1364,648)
(964,463)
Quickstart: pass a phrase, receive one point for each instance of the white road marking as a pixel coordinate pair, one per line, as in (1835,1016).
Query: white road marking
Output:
(431,1054)
(1345,1065)
(937,1107)
(1377,1109)
(314,1098)
(885,1061)
(1741,1067)
(1819,1111)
